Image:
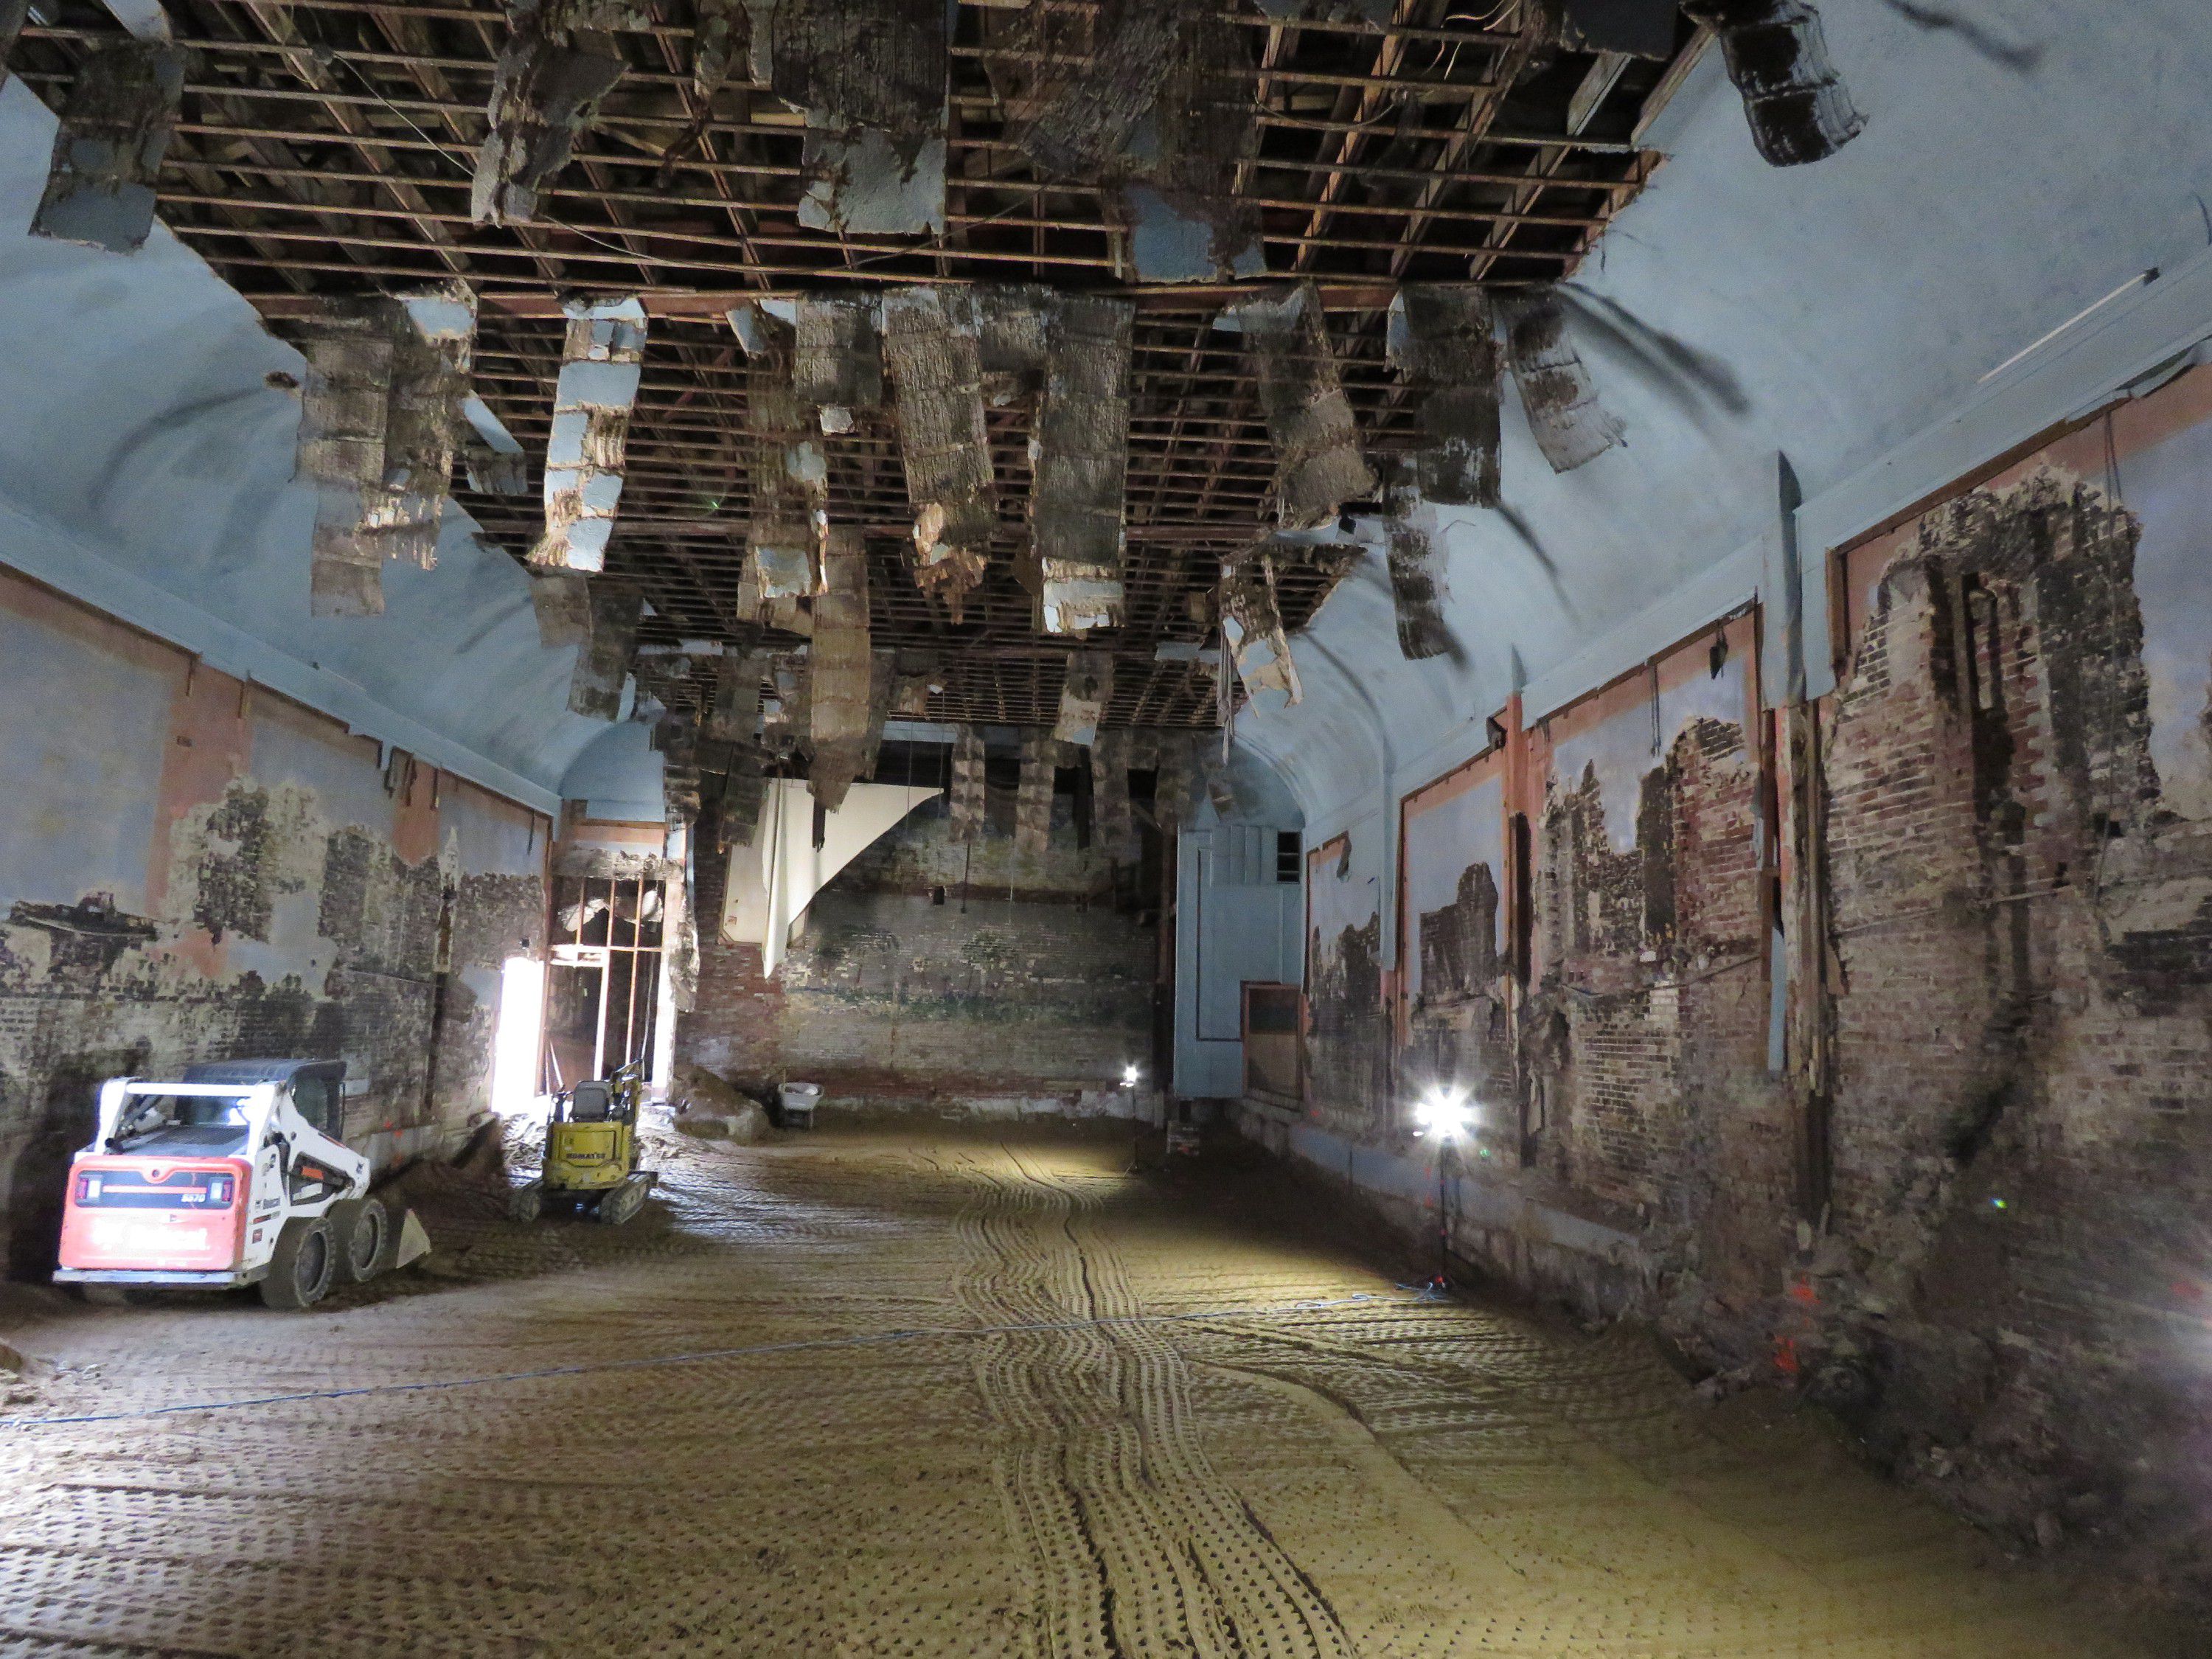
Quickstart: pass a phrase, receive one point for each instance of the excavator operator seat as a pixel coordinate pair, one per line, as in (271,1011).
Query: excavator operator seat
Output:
(590,1103)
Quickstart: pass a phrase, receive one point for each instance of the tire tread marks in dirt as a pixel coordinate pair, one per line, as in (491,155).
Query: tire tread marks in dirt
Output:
(1137,1548)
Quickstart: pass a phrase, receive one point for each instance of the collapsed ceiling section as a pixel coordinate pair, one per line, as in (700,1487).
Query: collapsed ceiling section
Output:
(829,359)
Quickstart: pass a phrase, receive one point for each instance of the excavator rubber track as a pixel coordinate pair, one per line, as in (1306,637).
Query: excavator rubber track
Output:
(618,1204)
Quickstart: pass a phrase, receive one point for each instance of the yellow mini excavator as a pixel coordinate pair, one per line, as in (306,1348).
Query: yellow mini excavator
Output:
(591,1153)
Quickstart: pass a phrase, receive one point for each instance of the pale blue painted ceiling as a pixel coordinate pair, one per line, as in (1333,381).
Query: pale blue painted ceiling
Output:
(2021,158)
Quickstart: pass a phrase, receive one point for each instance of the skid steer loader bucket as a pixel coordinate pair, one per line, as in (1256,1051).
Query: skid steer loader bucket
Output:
(413,1242)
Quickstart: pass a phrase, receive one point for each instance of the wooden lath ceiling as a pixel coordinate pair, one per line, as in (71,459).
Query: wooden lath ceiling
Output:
(327,147)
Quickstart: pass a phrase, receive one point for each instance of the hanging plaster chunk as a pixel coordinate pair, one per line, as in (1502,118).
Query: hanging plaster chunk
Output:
(744,790)
(734,716)
(494,472)
(679,793)
(1085,691)
(1417,592)
(1777,58)
(788,475)
(559,59)
(734,725)
(562,602)
(869,78)
(1443,341)
(883,687)
(1081,464)
(714,46)
(935,359)
(107,153)
(1187,223)
(1318,465)
(789,616)
(919,675)
(345,407)
(786,715)
(1252,621)
(862,183)
(380,425)
(837,364)
(1569,423)
(844,670)
(1098,75)
(493,459)
(601,362)
(12,14)
(1012,323)
(970,803)
(1033,802)
(1114,818)
(683,936)
(434,336)
(595,687)
(1148,99)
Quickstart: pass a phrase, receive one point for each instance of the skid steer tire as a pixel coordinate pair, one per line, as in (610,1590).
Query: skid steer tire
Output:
(526,1203)
(360,1231)
(305,1262)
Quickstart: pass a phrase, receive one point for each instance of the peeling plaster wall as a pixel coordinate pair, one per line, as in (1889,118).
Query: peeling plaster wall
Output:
(1975,1229)
(193,868)
(1032,978)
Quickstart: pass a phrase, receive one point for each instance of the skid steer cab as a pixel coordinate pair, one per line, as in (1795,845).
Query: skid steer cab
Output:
(232,1175)
(591,1153)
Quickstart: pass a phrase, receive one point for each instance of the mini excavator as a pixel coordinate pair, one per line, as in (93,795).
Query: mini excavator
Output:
(591,1153)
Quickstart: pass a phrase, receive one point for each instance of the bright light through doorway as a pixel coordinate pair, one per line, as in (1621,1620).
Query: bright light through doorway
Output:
(515,1046)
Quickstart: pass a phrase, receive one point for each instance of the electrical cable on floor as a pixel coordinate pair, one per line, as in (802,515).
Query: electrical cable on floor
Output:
(878,1339)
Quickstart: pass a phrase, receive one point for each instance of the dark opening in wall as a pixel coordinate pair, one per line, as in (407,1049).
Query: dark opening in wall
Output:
(1289,854)
(1074,781)
(1524,905)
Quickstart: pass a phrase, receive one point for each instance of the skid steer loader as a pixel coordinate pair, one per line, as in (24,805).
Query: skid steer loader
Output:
(591,1153)
(233,1174)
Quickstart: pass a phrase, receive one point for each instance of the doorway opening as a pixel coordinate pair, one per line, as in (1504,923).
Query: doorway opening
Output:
(603,989)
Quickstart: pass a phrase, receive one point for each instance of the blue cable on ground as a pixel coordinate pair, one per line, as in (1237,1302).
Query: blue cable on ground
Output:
(875,1339)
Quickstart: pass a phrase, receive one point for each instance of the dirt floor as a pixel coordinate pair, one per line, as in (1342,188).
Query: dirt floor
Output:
(942,1392)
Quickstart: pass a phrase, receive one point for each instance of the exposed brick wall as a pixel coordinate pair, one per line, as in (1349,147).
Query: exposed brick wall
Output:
(926,970)
(2007,1288)
(195,869)
(1737,1183)
(1651,1004)
(2023,1155)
